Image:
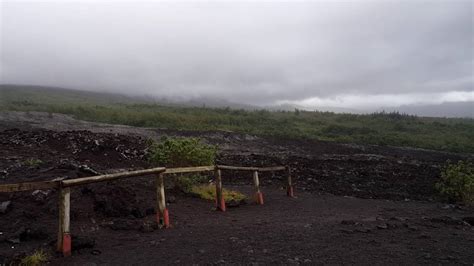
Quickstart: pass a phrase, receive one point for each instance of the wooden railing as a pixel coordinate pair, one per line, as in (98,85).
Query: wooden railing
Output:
(162,213)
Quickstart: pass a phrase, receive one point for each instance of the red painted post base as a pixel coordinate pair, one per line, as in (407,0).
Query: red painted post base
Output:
(66,248)
(289,191)
(165,220)
(220,205)
(259,197)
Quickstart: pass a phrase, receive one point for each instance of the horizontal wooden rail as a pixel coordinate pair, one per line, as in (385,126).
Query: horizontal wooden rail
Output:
(270,169)
(100,178)
(245,168)
(189,169)
(162,214)
(237,168)
(108,177)
(29,186)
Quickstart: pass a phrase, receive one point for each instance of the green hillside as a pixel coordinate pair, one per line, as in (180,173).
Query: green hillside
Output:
(447,134)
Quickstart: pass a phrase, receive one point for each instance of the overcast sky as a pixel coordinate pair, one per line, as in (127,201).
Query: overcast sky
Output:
(353,54)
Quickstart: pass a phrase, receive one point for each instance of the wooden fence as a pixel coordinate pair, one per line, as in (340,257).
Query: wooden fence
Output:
(162,214)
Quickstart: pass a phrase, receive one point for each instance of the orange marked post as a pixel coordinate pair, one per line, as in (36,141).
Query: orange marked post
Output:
(258,193)
(220,201)
(64,237)
(66,246)
(162,213)
(259,196)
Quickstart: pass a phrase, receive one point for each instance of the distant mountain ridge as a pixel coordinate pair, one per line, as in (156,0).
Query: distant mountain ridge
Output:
(447,109)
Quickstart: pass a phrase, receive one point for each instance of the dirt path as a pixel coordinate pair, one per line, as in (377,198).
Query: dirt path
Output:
(112,223)
(309,229)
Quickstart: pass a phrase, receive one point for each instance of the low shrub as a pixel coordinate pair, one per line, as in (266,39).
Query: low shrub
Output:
(182,152)
(457,182)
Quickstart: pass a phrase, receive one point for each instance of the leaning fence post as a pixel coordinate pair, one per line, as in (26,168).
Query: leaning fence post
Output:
(162,215)
(220,201)
(64,236)
(289,186)
(258,193)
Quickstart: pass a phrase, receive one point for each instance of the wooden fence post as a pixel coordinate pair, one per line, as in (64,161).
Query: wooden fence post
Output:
(289,185)
(258,193)
(220,201)
(162,215)
(64,236)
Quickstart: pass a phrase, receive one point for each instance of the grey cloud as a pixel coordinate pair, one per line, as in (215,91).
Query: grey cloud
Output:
(256,53)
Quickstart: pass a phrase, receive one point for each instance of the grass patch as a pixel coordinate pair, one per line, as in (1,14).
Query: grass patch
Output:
(33,162)
(208,192)
(39,257)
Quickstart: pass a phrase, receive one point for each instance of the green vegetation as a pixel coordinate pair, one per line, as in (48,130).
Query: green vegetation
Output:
(186,183)
(457,182)
(182,152)
(208,192)
(33,162)
(453,134)
(39,257)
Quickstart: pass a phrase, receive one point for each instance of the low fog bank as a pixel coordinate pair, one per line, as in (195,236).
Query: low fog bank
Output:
(350,56)
(445,109)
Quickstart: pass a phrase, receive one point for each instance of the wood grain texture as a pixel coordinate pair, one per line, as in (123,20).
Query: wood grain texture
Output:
(108,177)
(189,169)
